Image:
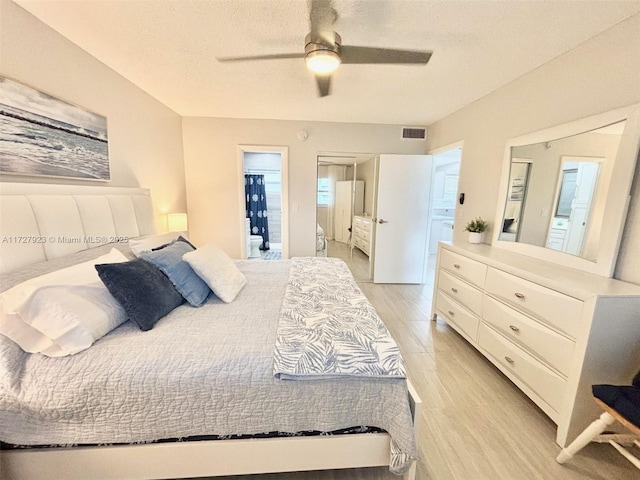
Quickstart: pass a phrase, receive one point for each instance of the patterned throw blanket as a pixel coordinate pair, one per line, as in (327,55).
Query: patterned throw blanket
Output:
(328,328)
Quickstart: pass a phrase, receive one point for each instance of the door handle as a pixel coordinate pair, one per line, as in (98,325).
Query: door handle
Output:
(381,221)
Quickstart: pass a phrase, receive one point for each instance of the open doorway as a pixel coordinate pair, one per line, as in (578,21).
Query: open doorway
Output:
(264,202)
(444,190)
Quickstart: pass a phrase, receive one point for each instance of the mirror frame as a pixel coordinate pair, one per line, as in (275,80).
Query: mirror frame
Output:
(617,201)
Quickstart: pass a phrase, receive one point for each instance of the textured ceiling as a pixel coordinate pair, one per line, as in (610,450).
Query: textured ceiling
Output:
(169,48)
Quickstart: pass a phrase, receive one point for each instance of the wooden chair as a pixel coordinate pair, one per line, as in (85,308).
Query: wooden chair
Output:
(620,404)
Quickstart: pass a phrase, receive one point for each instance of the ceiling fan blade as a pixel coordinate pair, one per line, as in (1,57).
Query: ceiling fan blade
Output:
(277,56)
(383,55)
(322,17)
(324,84)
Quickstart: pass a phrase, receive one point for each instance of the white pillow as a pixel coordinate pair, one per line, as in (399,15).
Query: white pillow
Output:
(148,243)
(63,312)
(217,270)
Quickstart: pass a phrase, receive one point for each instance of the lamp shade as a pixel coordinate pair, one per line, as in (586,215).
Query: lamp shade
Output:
(322,62)
(177,222)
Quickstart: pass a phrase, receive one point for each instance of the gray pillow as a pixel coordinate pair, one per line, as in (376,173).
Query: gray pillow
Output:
(187,282)
(145,293)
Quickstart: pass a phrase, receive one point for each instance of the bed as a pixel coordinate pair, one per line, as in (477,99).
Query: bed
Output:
(204,374)
(321,242)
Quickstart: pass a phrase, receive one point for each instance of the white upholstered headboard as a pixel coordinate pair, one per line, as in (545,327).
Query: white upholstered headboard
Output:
(40,222)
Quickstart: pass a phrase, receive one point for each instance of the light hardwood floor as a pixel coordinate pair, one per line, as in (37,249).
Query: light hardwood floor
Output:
(358,262)
(476,425)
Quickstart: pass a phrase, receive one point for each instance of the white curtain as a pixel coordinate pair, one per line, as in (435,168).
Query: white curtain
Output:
(337,173)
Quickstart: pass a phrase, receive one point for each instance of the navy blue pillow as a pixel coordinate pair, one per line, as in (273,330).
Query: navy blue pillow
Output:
(187,282)
(145,293)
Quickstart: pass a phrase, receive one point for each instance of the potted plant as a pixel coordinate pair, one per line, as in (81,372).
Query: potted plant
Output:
(476,228)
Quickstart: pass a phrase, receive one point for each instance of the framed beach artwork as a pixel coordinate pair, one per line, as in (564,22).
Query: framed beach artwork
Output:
(44,136)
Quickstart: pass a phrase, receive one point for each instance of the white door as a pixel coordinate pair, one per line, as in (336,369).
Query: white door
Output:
(402,211)
(581,206)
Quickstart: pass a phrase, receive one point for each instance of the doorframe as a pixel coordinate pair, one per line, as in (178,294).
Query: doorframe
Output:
(452,146)
(284,180)
(374,216)
(436,151)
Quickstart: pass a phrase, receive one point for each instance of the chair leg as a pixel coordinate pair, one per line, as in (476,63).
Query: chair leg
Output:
(626,454)
(589,433)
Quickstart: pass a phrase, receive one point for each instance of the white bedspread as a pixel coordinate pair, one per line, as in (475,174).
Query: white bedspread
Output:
(198,372)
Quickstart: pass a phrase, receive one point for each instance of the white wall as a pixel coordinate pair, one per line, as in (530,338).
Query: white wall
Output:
(597,76)
(145,137)
(211,166)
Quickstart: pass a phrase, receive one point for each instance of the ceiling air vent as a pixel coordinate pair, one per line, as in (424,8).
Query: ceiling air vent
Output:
(414,133)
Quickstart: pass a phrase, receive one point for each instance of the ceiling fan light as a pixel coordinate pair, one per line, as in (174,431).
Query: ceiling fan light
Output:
(322,62)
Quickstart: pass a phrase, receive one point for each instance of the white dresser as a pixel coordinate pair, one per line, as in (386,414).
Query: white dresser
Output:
(362,233)
(554,331)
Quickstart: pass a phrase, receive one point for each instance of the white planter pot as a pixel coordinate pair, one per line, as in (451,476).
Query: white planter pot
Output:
(475,237)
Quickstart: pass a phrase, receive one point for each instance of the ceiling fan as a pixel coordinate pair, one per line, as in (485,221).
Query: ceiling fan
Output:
(324,52)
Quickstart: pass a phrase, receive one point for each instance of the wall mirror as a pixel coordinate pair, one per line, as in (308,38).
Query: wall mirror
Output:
(565,191)
(344,209)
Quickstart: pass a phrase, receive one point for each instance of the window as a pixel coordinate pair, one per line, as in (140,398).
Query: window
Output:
(323,192)
(272,182)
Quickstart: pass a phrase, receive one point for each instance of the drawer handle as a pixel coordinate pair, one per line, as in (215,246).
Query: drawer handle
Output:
(455,265)
(509,359)
(454,290)
(514,328)
(451,313)
(519,295)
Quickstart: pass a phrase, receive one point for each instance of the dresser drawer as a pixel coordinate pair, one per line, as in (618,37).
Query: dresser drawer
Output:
(362,223)
(545,383)
(557,233)
(464,293)
(361,245)
(474,272)
(458,315)
(542,342)
(556,309)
